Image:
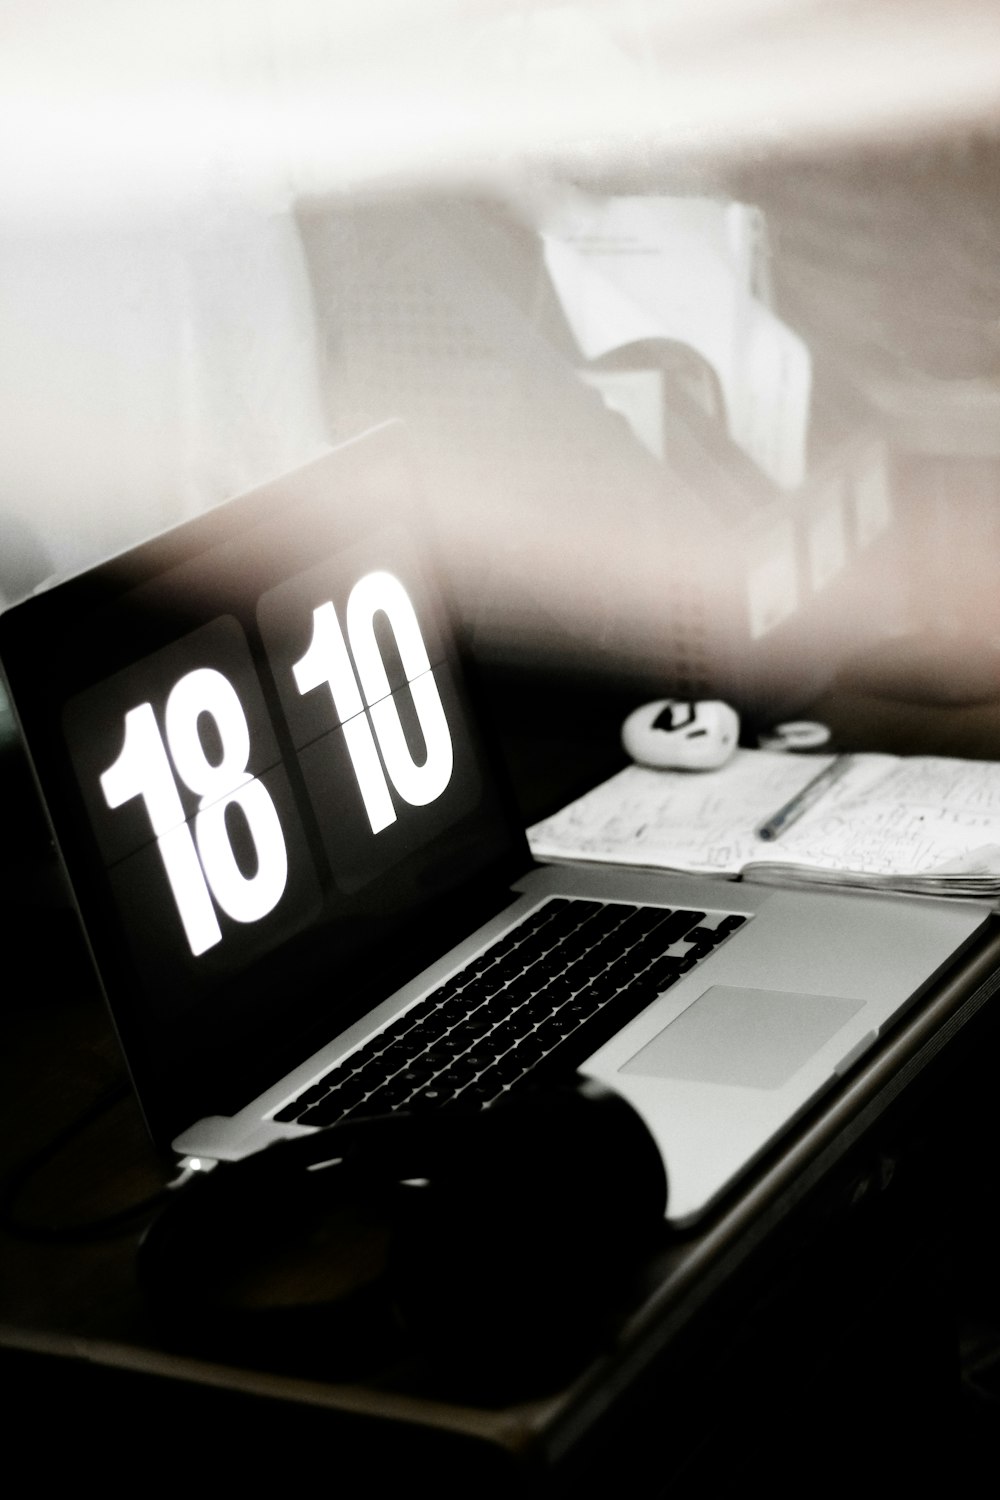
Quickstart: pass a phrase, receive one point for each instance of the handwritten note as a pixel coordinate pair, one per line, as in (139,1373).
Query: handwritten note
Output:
(925,822)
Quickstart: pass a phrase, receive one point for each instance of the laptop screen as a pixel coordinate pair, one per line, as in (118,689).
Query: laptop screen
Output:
(255,739)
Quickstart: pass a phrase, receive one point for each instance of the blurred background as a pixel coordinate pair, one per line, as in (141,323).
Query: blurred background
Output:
(693,311)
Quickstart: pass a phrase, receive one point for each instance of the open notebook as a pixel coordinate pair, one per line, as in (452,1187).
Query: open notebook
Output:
(928,824)
(307,891)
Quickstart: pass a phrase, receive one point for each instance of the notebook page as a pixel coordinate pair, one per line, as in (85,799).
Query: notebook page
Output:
(695,821)
(927,816)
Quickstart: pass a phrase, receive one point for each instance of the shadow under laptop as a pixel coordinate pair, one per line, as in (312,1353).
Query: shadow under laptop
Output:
(481,1257)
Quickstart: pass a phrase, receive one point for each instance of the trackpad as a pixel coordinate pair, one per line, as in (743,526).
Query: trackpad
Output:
(749,1038)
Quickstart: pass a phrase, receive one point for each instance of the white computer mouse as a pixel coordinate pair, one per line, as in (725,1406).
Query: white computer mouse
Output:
(675,734)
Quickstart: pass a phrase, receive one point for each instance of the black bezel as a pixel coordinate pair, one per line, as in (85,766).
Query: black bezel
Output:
(62,641)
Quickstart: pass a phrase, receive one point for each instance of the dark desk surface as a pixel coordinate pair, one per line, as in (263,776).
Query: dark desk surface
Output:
(819,1305)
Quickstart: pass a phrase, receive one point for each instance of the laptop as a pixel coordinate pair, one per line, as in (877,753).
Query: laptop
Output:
(307,891)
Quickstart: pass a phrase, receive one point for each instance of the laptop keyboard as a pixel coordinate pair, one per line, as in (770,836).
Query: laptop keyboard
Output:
(539,1000)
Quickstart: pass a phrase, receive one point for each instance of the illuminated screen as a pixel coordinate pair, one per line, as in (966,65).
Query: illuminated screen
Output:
(264,772)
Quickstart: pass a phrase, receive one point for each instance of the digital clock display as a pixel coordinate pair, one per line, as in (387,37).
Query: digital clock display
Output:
(192,799)
(256,748)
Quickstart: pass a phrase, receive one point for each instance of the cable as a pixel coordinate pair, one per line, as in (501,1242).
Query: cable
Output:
(119,1222)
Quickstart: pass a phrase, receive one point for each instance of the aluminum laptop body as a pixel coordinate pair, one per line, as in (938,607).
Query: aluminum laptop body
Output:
(284,823)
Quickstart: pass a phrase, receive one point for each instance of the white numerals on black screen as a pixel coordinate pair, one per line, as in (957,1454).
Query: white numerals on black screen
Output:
(202,867)
(328,663)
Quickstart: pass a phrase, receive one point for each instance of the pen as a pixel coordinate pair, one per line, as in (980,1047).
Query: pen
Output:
(810,793)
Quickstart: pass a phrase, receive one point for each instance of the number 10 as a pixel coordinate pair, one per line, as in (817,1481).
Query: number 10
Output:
(328,663)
